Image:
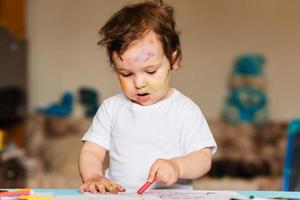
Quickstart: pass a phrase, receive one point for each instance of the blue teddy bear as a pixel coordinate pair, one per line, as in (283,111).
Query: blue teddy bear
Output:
(247,99)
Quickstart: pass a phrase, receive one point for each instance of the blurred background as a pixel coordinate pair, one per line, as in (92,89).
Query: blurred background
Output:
(240,65)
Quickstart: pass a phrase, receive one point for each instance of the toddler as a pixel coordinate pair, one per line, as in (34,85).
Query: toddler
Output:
(150,130)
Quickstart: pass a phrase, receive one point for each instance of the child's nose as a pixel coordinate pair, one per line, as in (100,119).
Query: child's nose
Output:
(139,82)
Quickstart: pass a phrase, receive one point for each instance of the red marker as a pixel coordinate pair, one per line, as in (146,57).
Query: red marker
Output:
(145,187)
(15,192)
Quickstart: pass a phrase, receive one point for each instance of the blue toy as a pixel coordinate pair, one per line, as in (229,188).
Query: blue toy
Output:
(249,65)
(88,97)
(62,109)
(246,105)
(291,172)
(247,100)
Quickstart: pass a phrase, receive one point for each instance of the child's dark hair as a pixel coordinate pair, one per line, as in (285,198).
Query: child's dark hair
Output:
(133,21)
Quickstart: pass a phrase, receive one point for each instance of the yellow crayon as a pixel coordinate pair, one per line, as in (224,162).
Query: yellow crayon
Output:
(36,198)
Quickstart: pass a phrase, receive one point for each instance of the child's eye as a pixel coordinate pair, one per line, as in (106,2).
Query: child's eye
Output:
(126,75)
(151,72)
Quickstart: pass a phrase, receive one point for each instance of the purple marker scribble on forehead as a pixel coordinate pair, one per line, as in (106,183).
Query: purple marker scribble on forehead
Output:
(144,55)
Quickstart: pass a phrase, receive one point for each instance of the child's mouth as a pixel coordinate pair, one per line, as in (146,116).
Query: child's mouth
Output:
(142,98)
(143,94)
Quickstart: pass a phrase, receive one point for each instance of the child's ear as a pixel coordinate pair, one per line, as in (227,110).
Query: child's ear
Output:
(175,65)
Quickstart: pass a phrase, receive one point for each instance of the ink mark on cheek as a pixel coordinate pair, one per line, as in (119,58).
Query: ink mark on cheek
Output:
(144,55)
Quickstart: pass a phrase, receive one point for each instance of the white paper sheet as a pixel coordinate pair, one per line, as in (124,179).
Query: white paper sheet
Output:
(158,195)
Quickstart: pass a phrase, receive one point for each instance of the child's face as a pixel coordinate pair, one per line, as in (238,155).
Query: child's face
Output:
(144,71)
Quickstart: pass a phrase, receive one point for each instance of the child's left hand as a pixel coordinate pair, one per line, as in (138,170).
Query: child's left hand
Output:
(164,170)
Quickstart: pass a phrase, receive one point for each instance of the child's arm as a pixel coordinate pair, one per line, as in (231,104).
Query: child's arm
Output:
(195,164)
(91,160)
(90,168)
(190,166)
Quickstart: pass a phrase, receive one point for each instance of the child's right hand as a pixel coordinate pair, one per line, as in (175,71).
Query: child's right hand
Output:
(100,184)
(165,171)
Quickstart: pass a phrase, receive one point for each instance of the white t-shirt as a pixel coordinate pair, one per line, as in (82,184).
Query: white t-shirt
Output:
(136,135)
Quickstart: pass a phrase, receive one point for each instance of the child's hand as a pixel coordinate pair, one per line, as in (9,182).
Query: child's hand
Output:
(100,184)
(164,170)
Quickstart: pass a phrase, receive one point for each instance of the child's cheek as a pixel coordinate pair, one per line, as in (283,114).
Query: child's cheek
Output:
(156,86)
(123,83)
(160,83)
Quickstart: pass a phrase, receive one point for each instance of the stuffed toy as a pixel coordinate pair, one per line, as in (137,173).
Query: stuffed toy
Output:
(88,97)
(61,109)
(247,100)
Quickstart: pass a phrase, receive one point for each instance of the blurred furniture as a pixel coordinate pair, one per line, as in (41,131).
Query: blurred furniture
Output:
(12,173)
(13,114)
(53,147)
(13,55)
(248,158)
(12,127)
(13,85)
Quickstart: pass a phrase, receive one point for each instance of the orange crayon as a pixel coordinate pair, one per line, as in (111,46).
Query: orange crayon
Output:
(15,193)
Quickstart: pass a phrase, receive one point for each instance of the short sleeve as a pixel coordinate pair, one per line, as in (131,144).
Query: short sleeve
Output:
(100,130)
(195,132)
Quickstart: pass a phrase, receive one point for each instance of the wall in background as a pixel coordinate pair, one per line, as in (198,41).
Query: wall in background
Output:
(63,54)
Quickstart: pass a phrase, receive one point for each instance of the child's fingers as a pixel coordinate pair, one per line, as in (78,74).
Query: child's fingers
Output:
(168,179)
(92,188)
(161,176)
(153,171)
(111,188)
(170,182)
(119,187)
(101,188)
(83,188)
